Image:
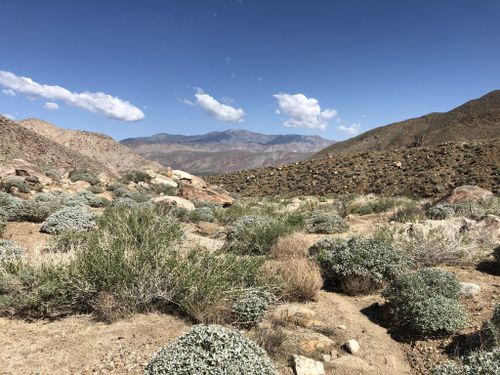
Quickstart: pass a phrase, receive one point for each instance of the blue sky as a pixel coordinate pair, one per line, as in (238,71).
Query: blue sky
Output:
(333,68)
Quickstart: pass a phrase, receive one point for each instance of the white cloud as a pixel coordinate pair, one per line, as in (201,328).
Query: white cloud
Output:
(303,112)
(51,106)
(218,110)
(9,116)
(352,129)
(187,102)
(9,92)
(96,102)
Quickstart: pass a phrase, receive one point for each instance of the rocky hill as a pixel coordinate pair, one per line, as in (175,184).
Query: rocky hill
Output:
(475,120)
(425,172)
(18,142)
(102,149)
(231,150)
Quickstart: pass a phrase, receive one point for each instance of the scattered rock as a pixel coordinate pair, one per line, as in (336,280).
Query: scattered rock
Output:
(207,195)
(469,289)
(307,366)
(351,346)
(175,201)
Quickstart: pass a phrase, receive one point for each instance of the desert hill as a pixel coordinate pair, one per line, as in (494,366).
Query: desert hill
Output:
(102,149)
(424,172)
(223,151)
(478,119)
(18,142)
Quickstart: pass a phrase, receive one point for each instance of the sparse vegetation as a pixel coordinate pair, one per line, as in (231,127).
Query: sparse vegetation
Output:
(250,307)
(213,350)
(426,302)
(10,252)
(441,212)
(490,332)
(409,213)
(477,363)
(18,183)
(325,223)
(294,245)
(358,265)
(135,176)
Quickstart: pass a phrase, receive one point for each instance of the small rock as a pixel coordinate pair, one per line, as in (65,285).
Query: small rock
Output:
(342,327)
(469,289)
(352,346)
(307,366)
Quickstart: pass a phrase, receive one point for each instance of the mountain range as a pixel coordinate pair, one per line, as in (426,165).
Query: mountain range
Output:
(225,151)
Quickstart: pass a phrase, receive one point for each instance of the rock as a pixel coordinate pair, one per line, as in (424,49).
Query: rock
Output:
(164,180)
(294,204)
(469,289)
(489,226)
(175,201)
(351,346)
(467,193)
(307,366)
(78,186)
(342,327)
(354,365)
(167,172)
(107,177)
(181,175)
(207,195)
(20,167)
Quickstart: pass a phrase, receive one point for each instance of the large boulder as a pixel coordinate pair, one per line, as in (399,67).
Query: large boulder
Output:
(209,194)
(467,193)
(22,168)
(163,180)
(175,201)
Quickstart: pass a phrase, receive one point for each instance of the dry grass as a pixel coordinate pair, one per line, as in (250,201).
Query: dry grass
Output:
(300,278)
(293,246)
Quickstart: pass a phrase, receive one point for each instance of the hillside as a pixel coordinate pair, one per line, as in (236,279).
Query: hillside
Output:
(475,120)
(103,149)
(425,172)
(18,142)
(231,150)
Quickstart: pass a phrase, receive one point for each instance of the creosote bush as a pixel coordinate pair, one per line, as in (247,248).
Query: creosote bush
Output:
(84,175)
(255,235)
(135,176)
(426,302)
(358,265)
(68,218)
(211,349)
(324,222)
(476,363)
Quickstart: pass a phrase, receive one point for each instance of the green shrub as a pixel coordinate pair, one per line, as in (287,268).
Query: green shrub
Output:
(477,363)
(10,252)
(375,206)
(490,332)
(92,199)
(251,307)
(202,214)
(208,284)
(254,235)
(68,218)
(15,182)
(135,176)
(164,189)
(410,212)
(84,175)
(123,202)
(441,212)
(325,223)
(426,302)
(52,173)
(211,350)
(358,265)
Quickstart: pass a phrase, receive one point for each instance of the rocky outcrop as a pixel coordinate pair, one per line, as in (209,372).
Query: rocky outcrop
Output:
(467,193)
(210,194)
(24,169)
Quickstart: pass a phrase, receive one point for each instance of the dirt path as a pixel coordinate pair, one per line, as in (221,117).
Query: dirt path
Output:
(79,345)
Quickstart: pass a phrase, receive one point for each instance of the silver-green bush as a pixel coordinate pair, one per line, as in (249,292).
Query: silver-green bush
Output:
(325,223)
(211,350)
(477,363)
(426,302)
(10,251)
(441,212)
(68,218)
(251,307)
(358,265)
(202,214)
(92,199)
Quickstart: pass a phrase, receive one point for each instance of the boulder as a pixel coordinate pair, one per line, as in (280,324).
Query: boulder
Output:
(181,175)
(307,366)
(175,201)
(351,346)
(206,195)
(467,193)
(20,167)
(163,180)
(167,172)
(469,289)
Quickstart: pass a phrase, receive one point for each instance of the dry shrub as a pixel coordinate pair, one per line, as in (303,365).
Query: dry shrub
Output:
(108,309)
(293,246)
(300,278)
